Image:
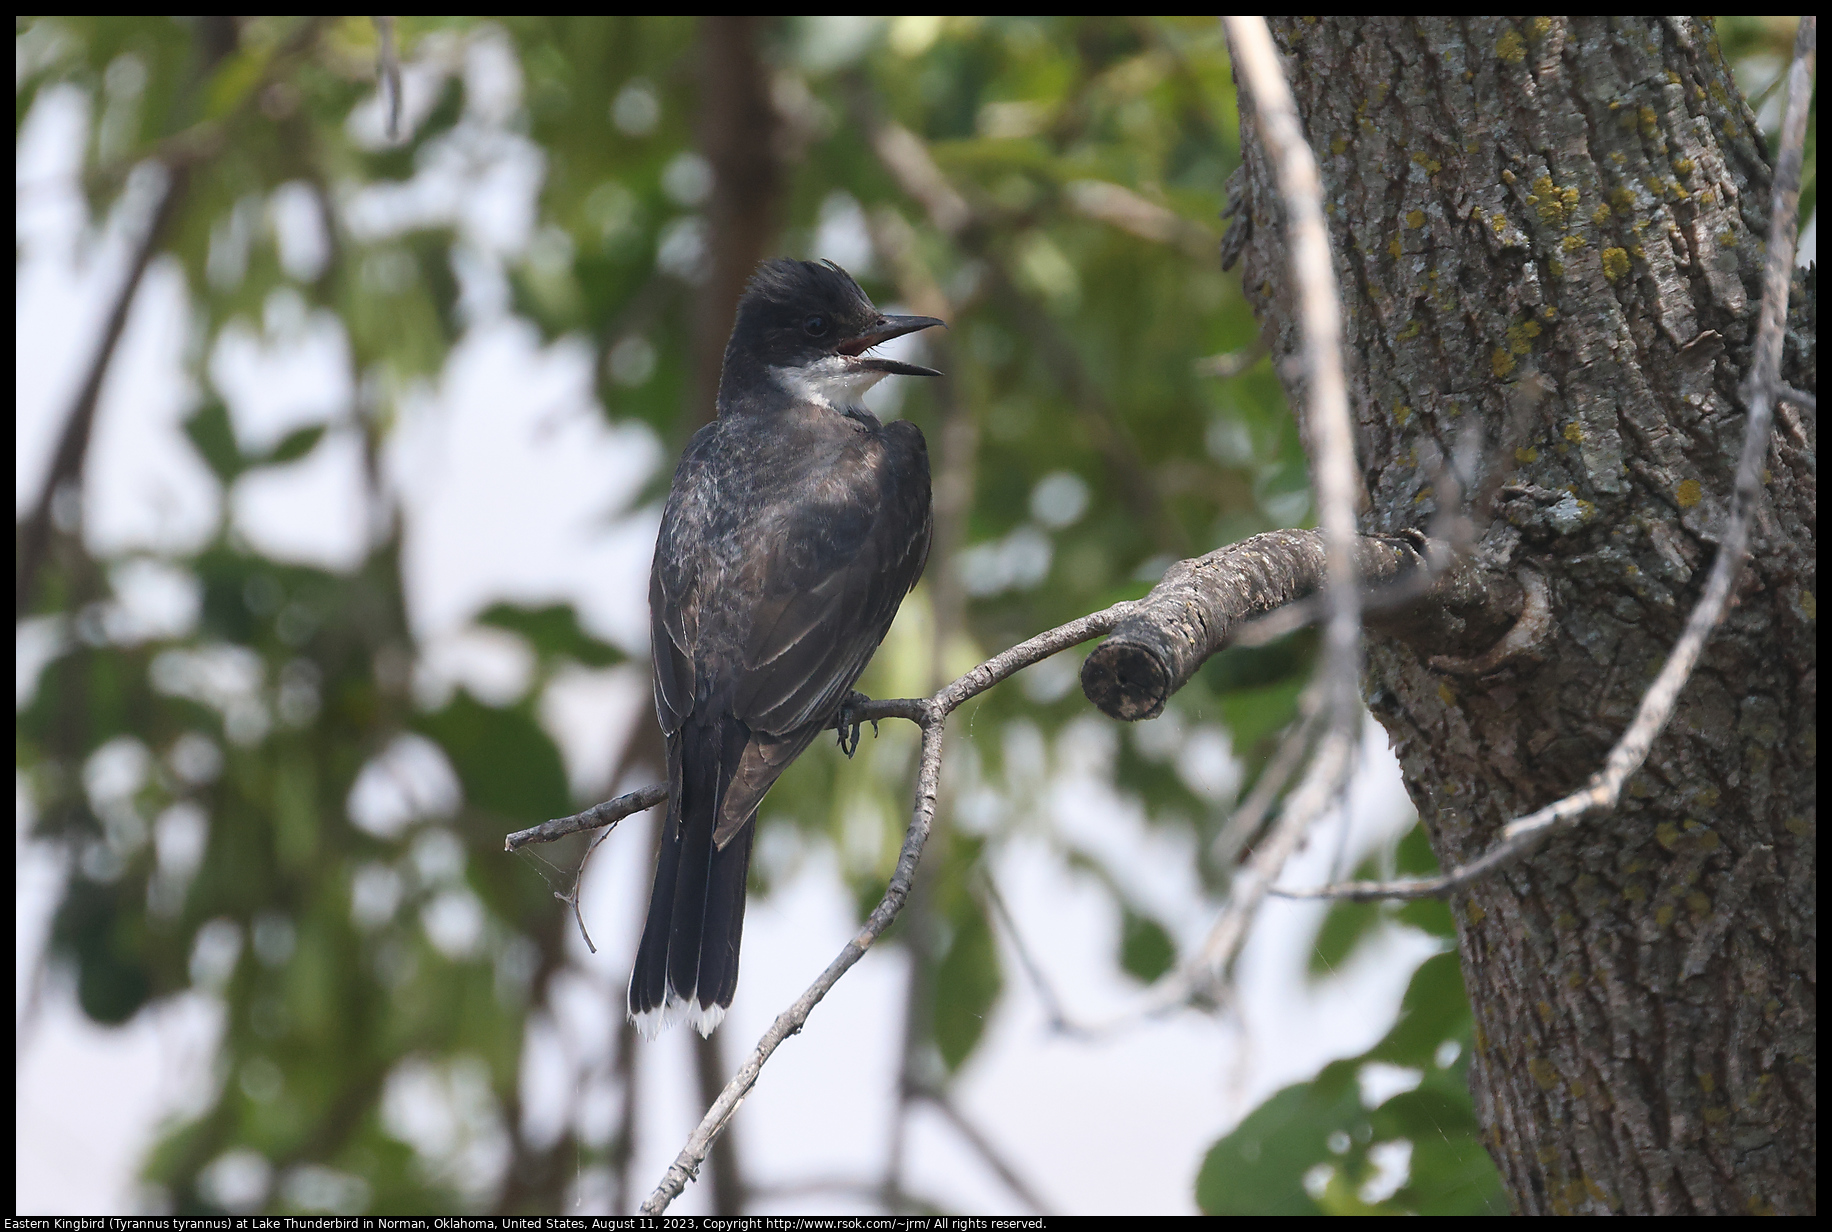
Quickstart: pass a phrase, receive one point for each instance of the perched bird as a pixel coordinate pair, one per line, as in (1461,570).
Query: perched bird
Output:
(796,525)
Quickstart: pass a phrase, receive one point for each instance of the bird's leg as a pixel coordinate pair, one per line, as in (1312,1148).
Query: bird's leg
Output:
(848,726)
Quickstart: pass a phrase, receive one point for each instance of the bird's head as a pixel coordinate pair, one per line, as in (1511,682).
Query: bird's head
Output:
(807,327)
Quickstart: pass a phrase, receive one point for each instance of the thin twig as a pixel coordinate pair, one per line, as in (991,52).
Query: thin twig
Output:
(1326,401)
(931,715)
(1245,821)
(1320,316)
(1332,438)
(1052,1004)
(687,1164)
(1206,975)
(1525,834)
(984,1147)
(607,814)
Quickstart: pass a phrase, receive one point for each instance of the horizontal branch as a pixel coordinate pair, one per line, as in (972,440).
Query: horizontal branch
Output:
(1200,606)
(607,814)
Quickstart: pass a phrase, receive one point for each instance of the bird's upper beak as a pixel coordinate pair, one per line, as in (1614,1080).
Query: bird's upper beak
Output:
(883,330)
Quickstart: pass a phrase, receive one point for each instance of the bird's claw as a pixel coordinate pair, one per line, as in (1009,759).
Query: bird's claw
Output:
(848,726)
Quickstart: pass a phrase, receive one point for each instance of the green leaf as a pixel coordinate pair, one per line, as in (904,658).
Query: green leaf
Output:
(210,431)
(1452,1174)
(1146,950)
(1414,858)
(1259,1168)
(967,982)
(96,927)
(295,446)
(553,630)
(505,762)
(1434,1009)
(1431,915)
(231,82)
(1346,926)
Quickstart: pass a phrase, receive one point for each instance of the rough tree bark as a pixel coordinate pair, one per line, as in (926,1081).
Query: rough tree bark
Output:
(1553,229)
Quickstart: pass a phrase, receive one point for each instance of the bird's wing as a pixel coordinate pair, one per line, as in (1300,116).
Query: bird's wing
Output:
(670,659)
(835,581)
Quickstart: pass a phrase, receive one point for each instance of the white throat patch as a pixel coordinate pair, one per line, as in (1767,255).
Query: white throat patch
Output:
(831,381)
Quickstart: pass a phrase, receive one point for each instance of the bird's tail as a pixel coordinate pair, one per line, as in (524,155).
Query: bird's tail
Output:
(687,963)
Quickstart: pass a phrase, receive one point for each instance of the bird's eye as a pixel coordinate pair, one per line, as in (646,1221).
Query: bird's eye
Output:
(816,325)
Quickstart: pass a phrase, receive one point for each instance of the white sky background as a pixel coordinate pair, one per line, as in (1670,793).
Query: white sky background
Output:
(514,485)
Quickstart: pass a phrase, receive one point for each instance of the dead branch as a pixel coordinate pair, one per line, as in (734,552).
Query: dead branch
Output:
(1201,605)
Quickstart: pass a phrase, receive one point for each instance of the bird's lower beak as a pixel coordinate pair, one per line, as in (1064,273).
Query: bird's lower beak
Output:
(883,330)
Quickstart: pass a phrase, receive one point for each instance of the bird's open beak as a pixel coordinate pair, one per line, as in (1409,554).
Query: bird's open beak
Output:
(883,330)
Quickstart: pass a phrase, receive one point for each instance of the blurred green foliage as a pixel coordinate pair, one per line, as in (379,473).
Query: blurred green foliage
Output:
(1084,292)
(1315,1148)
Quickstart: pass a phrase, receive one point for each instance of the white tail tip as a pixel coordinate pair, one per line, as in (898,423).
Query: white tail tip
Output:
(651,1023)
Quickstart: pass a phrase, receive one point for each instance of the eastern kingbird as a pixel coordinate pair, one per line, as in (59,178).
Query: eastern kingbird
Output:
(796,525)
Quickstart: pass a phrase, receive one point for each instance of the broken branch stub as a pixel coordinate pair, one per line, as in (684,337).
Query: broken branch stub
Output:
(1201,604)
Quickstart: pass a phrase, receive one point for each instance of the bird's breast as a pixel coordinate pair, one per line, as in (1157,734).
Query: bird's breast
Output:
(760,512)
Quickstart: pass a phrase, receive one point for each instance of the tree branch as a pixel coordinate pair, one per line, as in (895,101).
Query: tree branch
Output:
(1200,606)
(178,154)
(931,715)
(607,814)
(73,443)
(984,1148)
(909,162)
(1325,402)
(1159,642)
(1525,834)
(1246,819)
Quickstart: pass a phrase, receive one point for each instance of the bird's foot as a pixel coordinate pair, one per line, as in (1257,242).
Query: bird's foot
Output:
(848,726)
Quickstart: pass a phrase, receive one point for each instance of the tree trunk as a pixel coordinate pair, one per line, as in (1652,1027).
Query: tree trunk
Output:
(1554,230)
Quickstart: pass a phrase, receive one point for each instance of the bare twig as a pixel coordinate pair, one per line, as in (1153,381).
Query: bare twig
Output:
(1525,834)
(906,158)
(1332,438)
(790,1021)
(931,715)
(1120,207)
(607,814)
(1188,616)
(1245,821)
(984,1147)
(1052,1004)
(1326,405)
(1329,769)
(1203,978)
